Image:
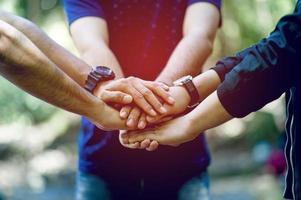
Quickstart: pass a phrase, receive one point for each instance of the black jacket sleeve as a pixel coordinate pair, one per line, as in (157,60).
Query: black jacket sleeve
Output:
(225,65)
(266,71)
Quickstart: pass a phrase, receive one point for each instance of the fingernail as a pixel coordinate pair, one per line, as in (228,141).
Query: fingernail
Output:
(153,112)
(171,100)
(163,110)
(127,99)
(123,114)
(130,122)
(141,125)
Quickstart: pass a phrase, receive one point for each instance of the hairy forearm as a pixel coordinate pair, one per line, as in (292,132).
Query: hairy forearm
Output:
(43,79)
(66,61)
(187,59)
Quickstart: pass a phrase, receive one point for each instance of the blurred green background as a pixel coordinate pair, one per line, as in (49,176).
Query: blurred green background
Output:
(38,141)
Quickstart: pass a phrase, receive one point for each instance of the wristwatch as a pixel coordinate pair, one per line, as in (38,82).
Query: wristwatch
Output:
(97,75)
(188,84)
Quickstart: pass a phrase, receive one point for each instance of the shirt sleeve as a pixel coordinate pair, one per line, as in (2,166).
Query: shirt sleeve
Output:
(76,9)
(217,3)
(225,65)
(269,69)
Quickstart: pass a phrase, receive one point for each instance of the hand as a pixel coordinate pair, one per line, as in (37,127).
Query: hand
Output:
(173,133)
(111,121)
(145,144)
(136,118)
(145,94)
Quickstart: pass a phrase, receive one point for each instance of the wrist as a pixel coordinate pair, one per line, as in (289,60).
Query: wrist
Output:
(100,87)
(191,127)
(184,94)
(95,110)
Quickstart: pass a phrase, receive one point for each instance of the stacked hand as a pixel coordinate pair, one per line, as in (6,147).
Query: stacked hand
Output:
(145,98)
(144,105)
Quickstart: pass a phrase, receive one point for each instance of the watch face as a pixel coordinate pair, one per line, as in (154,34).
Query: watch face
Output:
(183,80)
(104,71)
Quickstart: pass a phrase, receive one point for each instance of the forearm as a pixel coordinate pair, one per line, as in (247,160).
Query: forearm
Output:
(41,78)
(209,114)
(206,83)
(66,61)
(91,37)
(101,55)
(187,59)
(199,28)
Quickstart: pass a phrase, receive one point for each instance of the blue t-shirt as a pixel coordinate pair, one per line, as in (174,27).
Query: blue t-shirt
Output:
(143,35)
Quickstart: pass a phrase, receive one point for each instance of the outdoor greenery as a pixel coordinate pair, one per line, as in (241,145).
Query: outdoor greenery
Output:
(39,133)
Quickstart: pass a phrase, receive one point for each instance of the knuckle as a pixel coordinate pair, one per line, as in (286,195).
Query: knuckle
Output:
(131,78)
(138,96)
(148,107)
(119,97)
(123,81)
(146,92)
(155,84)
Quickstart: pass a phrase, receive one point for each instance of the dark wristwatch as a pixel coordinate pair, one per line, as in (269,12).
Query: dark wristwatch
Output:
(98,74)
(188,84)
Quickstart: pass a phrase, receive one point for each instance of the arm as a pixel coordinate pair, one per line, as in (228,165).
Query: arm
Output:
(66,61)
(199,28)
(93,46)
(25,65)
(265,72)
(77,69)
(210,113)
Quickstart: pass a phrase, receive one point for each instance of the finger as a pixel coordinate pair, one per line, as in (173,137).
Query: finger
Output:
(150,97)
(133,117)
(125,111)
(123,137)
(157,119)
(145,144)
(153,146)
(116,97)
(151,119)
(164,86)
(139,137)
(165,119)
(141,101)
(135,145)
(159,91)
(142,121)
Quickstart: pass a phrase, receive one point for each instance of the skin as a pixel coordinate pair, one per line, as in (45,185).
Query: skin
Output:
(200,24)
(210,113)
(78,70)
(206,83)
(93,46)
(25,65)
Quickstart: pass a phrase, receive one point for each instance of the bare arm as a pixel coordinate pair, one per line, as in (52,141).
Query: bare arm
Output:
(210,113)
(200,25)
(93,44)
(199,28)
(66,61)
(25,65)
